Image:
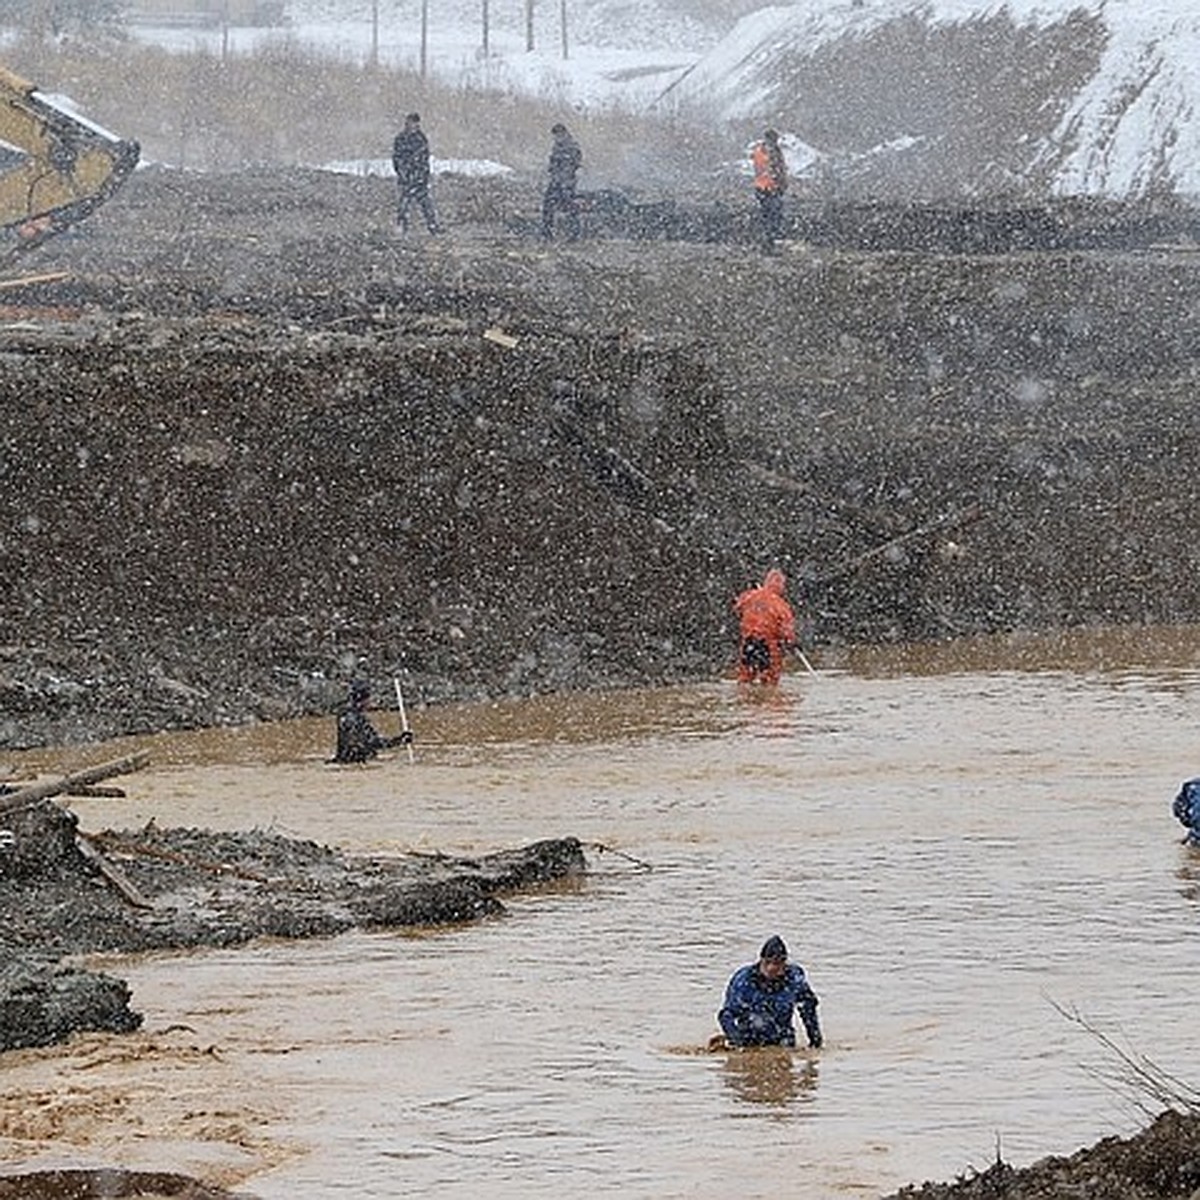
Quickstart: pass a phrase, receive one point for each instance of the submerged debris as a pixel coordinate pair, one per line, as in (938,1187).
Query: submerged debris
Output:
(181,888)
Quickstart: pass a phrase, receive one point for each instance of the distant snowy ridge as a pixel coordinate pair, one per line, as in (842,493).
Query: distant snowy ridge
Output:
(1065,97)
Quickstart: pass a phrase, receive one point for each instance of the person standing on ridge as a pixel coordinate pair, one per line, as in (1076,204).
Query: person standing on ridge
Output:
(410,160)
(767,627)
(565,160)
(761,998)
(357,739)
(770,183)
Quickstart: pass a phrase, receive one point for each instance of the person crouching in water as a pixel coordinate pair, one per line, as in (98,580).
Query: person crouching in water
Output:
(760,999)
(357,739)
(1186,807)
(767,628)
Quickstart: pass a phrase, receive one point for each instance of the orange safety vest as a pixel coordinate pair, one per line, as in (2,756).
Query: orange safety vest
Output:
(767,173)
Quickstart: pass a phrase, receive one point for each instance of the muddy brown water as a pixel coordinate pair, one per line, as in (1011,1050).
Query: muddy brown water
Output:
(957,843)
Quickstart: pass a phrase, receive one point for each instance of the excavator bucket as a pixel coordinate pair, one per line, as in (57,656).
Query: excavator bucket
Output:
(56,167)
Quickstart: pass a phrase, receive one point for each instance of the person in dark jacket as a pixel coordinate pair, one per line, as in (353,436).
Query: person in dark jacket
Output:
(410,160)
(565,160)
(760,1000)
(1186,807)
(357,739)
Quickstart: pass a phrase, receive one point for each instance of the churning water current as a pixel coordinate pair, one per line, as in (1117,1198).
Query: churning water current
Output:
(963,846)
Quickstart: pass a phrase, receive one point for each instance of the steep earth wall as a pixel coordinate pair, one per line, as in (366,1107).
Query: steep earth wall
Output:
(253,444)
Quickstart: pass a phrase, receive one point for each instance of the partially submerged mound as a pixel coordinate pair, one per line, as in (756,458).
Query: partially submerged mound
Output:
(106,1185)
(1160,1163)
(64,893)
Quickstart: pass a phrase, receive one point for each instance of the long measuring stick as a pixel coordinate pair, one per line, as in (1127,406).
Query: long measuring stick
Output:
(403,716)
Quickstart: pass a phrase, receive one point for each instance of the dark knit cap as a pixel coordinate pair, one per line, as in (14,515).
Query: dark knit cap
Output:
(773,947)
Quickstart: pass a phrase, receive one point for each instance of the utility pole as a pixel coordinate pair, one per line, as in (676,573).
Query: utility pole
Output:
(528,24)
(424,36)
(485,28)
(562,16)
(375,33)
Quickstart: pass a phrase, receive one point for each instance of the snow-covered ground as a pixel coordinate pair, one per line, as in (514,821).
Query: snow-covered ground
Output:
(609,70)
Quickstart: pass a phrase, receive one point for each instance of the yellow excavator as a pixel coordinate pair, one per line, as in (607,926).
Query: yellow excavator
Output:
(56,167)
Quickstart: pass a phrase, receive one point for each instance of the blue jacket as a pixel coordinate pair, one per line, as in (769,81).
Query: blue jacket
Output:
(1186,808)
(758,1011)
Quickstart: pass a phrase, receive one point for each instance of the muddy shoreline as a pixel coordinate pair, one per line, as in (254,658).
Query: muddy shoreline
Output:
(66,896)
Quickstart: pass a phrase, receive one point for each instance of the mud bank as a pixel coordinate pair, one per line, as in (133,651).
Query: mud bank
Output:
(1160,1163)
(256,443)
(170,889)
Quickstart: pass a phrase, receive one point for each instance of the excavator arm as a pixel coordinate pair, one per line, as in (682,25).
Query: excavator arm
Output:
(55,166)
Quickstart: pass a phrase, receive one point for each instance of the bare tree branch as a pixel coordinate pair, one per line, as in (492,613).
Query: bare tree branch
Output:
(1140,1079)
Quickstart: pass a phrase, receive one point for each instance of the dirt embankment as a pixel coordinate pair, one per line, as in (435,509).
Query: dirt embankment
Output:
(1160,1163)
(257,443)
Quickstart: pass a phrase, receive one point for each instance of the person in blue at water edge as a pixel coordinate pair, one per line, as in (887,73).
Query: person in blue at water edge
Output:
(1186,807)
(761,998)
(357,739)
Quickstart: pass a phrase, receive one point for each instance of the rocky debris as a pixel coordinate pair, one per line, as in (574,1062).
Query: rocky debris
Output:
(110,1184)
(258,444)
(200,888)
(1160,1163)
(42,1003)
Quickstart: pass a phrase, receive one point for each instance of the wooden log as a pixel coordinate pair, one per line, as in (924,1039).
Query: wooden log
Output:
(119,846)
(953,520)
(29,280)
(84,778)
(111,872)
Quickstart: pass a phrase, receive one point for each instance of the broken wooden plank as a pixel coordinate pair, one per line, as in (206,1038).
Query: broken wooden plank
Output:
(30,280)
(497,335)
(966,516)
(120,846)
(111,872)
(84,778)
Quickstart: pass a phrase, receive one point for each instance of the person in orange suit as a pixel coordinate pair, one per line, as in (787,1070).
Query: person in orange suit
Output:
(768,627)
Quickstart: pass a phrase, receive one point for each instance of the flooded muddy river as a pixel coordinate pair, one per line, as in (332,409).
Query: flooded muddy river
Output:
(956,843)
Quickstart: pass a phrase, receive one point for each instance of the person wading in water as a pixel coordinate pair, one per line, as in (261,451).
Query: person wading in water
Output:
(768,628)
(357,739)
(760,1000)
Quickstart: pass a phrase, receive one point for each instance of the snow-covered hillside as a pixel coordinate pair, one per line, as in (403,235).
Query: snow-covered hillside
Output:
(902,99)
(966,97)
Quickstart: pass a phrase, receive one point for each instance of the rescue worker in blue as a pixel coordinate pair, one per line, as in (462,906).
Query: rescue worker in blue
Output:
(565,160)
(1186,807)
(357,739)
(761,998)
